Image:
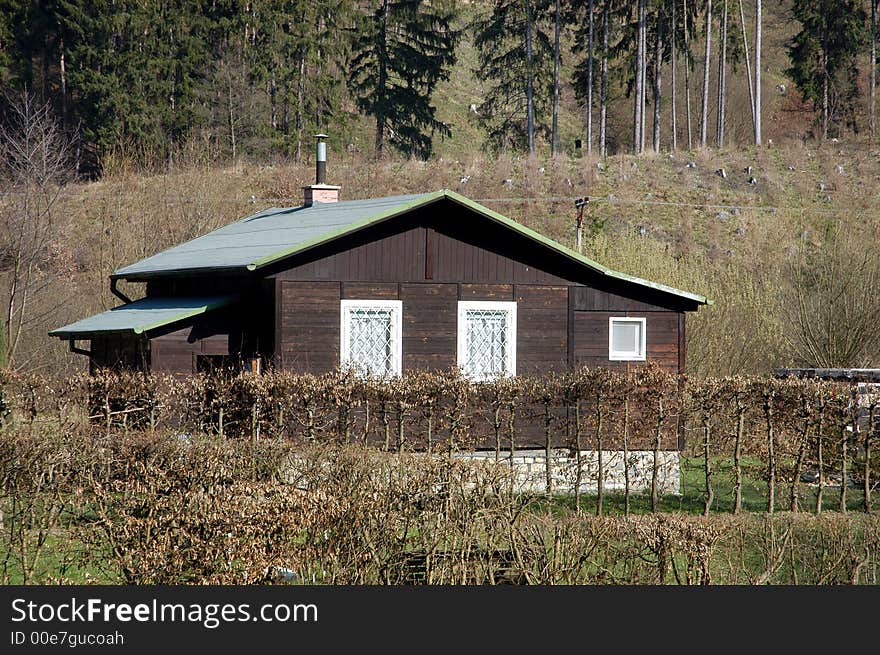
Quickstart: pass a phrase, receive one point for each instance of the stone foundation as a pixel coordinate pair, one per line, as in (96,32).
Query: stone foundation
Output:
(530,468)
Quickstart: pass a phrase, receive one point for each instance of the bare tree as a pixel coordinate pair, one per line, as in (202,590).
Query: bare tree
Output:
(590,10)
(704,117)
(757,72)
(638,106)
(742,24)
(530,80)
(658,61)
(672,29)
(35,165)
(687,75)
(722,76)
(554,137)
(603,91)
(644,75)
(873,69)
(833,308)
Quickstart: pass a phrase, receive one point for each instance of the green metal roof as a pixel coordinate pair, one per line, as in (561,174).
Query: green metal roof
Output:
(141,316)
(271,235)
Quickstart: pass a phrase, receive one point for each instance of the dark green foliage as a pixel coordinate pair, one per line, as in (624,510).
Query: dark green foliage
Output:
(400,51)
(824,54)
(502,38)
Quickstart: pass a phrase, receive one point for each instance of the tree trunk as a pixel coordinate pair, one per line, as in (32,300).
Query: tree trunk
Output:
(704,117)
(799,461)
(722,76)
(381,83)
(737,457)
(627,485)
(687,77)
(63,71)
(658,59)
(554,137)
(231,119)
(742,23)
(710,492)
(843,469)
(579,471)
(758,72)
(637,94)
(771,454)
(644,72)
(530,88)
(873,71)
(300,97)
(825,89)
(673,28)
(590,80)
(603,91)
(600,474)
(655,473)
(819,460)
(869,433)
(273,103)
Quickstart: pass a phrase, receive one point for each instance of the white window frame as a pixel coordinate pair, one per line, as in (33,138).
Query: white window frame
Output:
(462,345)
(396,308)
(628,356)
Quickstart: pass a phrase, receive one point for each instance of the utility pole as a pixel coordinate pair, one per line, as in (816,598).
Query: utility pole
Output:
(580,204)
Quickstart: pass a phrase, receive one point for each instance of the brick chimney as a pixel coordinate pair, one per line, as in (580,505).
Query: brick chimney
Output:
(320,191)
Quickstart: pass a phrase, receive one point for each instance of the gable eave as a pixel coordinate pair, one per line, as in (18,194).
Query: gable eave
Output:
(416,203)
(571,254)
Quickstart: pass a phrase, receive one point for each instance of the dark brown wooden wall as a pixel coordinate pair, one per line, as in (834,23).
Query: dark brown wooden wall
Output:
(116,352)
(662,332)
(309,316)
(176,350)
(175,353)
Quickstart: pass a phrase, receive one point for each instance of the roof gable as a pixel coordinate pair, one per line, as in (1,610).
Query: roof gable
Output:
(274,234)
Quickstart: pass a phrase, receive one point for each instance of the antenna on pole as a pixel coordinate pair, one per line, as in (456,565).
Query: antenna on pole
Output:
(579,204)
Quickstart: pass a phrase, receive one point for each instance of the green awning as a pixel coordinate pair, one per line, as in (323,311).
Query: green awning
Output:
(141,316)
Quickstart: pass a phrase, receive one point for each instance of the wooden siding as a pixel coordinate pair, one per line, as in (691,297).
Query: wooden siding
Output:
(370,291)
(177,352)
(307,326)
(496,292)
(542,329)
(309,315)
(116,352)
(386,256)
(591,299)
(427,245)
(662,337)
(430,318)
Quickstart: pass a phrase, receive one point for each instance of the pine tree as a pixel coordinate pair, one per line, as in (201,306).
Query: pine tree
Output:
(401,49)
(516,60)
(823,53)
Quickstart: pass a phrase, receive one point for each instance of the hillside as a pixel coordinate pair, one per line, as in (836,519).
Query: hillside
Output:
(671,218)
(758,238)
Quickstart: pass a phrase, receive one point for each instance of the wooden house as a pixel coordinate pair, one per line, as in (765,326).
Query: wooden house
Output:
(387,284)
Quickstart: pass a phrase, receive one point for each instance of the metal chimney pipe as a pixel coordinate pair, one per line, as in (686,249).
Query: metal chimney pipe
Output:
(320,159)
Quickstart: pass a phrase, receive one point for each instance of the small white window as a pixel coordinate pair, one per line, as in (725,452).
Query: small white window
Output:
(370,336)
(487,339)
(626,339)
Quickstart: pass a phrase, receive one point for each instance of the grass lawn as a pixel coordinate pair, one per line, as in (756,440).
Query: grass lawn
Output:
(693,486)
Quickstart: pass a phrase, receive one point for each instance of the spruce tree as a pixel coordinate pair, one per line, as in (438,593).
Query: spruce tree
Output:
(823,55)
(516,60)
(401,49)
